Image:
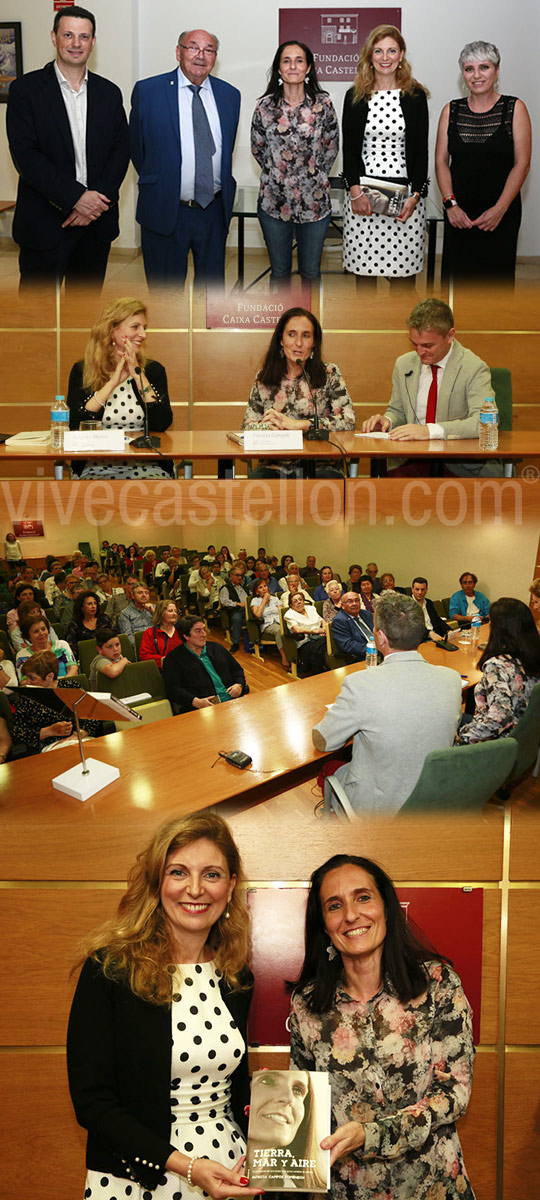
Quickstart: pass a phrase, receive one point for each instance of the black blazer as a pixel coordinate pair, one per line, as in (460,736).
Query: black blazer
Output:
(159,411)
(439,626)
(415,111)
(41,146)
(185,676)
(119,1068)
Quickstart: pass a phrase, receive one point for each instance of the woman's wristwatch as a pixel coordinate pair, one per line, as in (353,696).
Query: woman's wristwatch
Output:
(449,201)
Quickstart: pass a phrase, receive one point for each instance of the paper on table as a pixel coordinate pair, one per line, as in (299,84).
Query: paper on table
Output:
(381,437)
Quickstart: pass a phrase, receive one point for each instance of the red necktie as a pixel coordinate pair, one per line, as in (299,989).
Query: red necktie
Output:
(432,397)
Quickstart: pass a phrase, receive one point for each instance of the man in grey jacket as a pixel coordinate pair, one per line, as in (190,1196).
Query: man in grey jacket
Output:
(396,713)
(438,388)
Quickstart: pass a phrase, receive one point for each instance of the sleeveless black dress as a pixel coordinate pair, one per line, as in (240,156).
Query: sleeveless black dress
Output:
(481,149)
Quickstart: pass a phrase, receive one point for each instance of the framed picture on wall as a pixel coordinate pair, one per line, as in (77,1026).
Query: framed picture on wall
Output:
(10,56)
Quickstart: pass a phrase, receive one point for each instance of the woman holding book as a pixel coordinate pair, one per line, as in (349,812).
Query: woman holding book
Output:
(156,1048)
(385,138)
(387,1017)
(282,1119)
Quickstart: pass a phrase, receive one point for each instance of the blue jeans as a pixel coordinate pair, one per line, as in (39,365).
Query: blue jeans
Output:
(279,236)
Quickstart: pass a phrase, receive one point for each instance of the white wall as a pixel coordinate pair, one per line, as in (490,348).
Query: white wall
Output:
(137,38)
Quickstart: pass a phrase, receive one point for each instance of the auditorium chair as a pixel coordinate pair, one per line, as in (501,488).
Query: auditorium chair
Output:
(527,735)
(135,678)
(459,779)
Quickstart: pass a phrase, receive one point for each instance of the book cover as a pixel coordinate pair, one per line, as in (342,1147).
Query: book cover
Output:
(288,1117)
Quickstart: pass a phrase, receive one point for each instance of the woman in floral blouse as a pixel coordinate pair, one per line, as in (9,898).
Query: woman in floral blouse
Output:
(511,667)
(390,1022)
(293,384)
(295,139)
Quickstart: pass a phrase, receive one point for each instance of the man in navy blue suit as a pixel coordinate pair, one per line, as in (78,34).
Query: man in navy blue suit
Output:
(69,141)
(351,629)
(183,128)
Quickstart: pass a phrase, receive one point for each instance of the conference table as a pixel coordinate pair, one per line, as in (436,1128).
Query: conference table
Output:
(186,447)
(171,767)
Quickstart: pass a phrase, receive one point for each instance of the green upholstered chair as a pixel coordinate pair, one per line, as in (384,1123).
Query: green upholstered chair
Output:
(135,678)
(152,710)
(335,657)
(527,735)
(461,779)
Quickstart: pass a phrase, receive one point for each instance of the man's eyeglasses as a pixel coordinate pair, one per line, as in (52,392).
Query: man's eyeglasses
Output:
(210,51)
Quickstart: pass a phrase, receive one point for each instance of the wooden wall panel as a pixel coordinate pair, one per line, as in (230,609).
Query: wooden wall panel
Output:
(46,1146)
(522,1126)
(36,990)
(28,375)
(522,1004)
(478,1128)
(525,843)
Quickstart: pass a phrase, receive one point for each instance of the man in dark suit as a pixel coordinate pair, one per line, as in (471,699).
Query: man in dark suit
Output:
(68,137)
(350,630)
(183,127)
(436,628)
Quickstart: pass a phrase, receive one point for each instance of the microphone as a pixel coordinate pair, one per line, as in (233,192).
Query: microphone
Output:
(146,441)
(316,434)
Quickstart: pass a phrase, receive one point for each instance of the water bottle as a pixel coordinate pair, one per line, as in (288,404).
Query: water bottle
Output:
(371,653)
(489,425)
(476,625)
(59,422)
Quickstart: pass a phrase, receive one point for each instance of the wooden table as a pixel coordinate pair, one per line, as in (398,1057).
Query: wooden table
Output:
(167,768)
(214,444)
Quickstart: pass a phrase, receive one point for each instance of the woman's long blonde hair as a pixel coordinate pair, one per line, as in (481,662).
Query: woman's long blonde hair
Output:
(135,946)
(364,84)
(99,357)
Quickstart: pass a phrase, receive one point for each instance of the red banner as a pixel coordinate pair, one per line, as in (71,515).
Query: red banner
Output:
(28,529)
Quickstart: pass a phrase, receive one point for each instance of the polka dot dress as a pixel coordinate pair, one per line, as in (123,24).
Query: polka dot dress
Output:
(123,411)
(380,245)
(207,1048)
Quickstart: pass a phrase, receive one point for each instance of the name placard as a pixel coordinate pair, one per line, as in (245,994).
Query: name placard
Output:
(81,441)
(257,440)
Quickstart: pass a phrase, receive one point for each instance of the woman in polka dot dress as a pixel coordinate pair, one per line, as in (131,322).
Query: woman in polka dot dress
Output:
(109,384)
(385,136)
(156,1049)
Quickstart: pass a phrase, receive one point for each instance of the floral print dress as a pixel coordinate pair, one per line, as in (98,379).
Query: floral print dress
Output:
(296,399)
(404,1071)
(501,697)
(295,146)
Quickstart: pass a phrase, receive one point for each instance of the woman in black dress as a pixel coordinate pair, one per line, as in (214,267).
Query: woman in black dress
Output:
(482,159)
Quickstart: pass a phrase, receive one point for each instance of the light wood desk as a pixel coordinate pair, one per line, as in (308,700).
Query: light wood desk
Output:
(168,768)
(186,447)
